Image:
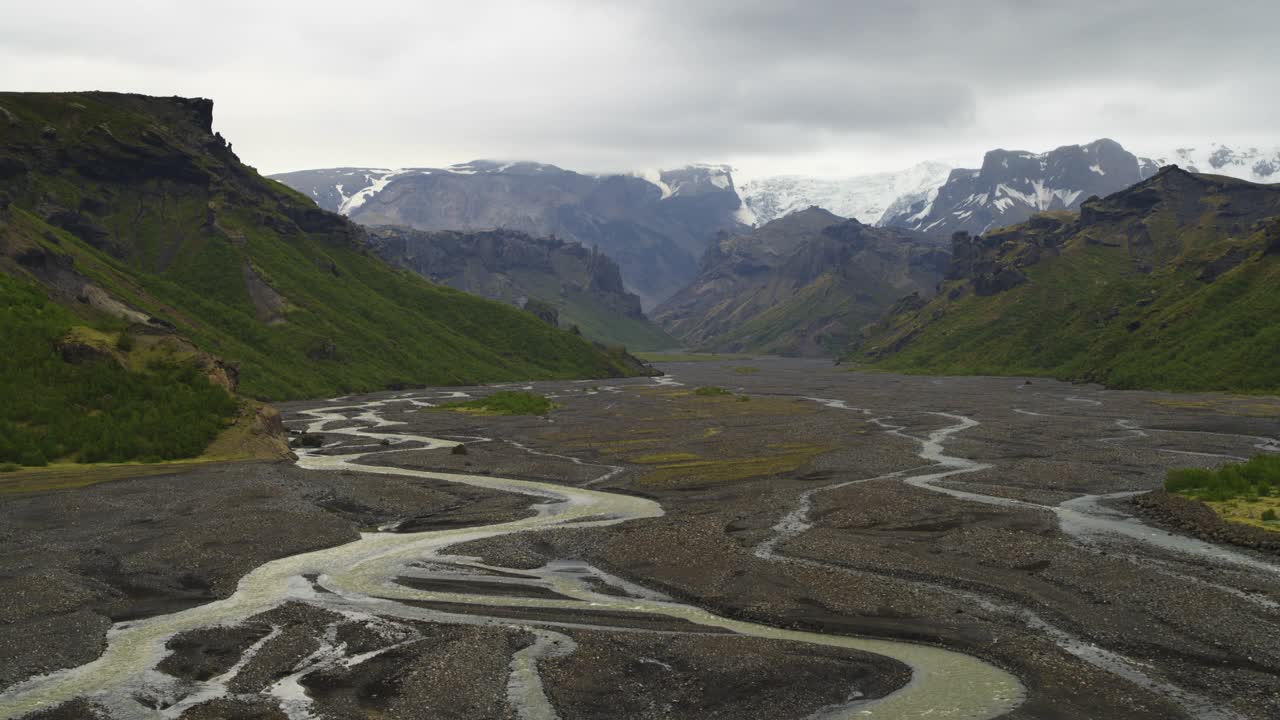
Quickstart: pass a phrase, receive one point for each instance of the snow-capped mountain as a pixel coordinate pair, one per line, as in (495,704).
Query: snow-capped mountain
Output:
(865,198)
(655,224)
(1012,185)
(690,179)
(345,190)
(1255,164)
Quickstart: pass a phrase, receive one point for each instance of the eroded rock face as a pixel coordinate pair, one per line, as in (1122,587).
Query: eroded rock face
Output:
(268,304)
(78,352)
(99,299)
(220,373)
(268,428)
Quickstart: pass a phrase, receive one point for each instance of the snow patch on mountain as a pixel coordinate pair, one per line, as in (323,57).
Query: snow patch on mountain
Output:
(698,179)
(654,177)
(863,197)
(1255,163)
(378,179)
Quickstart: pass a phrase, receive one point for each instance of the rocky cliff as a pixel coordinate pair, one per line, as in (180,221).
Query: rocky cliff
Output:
(802,284)
(583,285)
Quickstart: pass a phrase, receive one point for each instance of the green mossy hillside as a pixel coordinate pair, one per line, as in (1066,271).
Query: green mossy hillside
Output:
(94,407)
(136,196)
(1169,285)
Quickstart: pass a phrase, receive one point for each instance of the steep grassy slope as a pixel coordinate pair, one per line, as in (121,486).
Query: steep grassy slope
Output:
(1170,284)
(74,392)
(584,285)
(800,285)
(130,207)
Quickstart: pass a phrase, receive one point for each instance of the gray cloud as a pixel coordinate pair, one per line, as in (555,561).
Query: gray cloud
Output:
(830,86)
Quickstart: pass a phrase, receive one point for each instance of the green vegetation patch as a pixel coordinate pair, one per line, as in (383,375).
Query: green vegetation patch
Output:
(506,402)
(70,394)
(711,391)
(1257,478)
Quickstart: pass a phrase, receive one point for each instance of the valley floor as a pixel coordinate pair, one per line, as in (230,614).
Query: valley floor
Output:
(707,555)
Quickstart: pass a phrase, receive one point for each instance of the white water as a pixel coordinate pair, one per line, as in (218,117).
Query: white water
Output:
(360,577)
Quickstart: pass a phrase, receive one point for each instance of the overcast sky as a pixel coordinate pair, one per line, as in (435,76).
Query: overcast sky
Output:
(830,87)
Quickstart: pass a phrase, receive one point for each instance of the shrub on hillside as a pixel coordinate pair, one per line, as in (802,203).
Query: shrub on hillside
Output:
(97,410)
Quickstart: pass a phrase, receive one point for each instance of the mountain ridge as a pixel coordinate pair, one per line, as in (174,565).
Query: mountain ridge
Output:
(131,207)
(654,225)
(799,285)
(1168,284)
(1012,185)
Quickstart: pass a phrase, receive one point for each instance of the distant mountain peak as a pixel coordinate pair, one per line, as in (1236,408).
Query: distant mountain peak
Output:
(655,224)
(1012,185)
